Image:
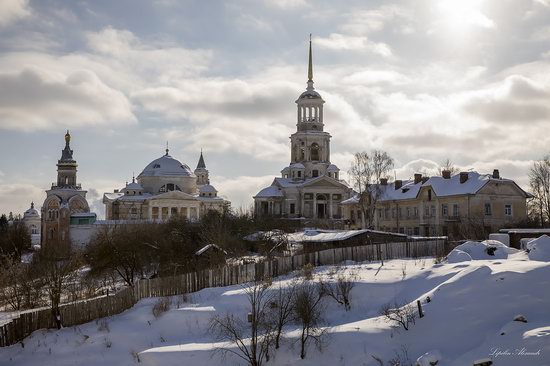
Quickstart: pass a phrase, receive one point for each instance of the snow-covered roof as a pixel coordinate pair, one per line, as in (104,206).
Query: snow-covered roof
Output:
(352,200)
(297,166)
(134,186)
(333,168)
(207,247)
(166,166)
(322,236)
(271,191)
(207,188)
(31,212)
(440,186)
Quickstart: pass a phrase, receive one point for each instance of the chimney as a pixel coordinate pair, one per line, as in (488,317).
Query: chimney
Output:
(496,174)
(425,179)
(383,181)
(446,174)
(398,183)
(417,178)
(463,177)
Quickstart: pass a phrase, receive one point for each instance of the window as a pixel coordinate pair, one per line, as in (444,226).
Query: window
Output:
(444,210)
(299,174)
(417,231)
(292,208)
(429,194)
(415,211)
(508,210)
(433,210)
(408,212)
(456,212)
(380,213)
(488,211)
(400,212)
(401,230)
(426,211)
(393,212)
(314,173)
(314,151)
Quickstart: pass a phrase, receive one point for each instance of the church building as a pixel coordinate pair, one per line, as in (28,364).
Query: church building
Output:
(165,188)
(65,204)
(310,187)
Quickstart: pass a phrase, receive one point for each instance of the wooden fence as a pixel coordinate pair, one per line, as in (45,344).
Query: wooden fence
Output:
(87,310)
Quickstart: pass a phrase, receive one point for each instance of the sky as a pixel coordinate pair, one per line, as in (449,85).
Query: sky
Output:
(423,80)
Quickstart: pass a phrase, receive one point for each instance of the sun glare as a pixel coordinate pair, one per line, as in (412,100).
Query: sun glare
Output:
(462,15)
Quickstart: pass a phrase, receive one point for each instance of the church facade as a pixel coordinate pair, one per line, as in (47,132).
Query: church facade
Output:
(64,205)
(165,188)
(310,187)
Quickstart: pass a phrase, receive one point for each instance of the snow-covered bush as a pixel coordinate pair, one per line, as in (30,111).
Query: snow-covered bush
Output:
(474,250)
(403,315)
(539,249)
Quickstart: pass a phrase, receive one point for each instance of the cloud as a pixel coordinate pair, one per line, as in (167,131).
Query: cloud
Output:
(160,61)
(516,99)
(287,4)
(17,197)
(35,100)
(361,21)
(13,10)
(337,41)
(217,113)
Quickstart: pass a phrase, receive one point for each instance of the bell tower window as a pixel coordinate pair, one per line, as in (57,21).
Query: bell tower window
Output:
(314,152)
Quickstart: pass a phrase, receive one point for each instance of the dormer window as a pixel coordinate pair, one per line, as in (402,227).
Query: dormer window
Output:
(156,166)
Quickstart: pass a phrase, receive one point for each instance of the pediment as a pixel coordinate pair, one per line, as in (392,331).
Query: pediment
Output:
(324,182)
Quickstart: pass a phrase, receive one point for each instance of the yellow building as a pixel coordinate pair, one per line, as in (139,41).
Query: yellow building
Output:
(467,204)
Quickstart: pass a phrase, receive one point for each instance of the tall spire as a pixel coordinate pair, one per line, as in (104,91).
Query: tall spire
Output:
(166,148)
(310,65)
(201,163)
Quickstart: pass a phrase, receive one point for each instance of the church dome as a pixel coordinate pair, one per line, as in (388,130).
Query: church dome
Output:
(166,166)
(310,94)
(31,212)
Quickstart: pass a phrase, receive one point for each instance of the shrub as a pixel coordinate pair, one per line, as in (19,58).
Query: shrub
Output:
(307,271)
(161,306)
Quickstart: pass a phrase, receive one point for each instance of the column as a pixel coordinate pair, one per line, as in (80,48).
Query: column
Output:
(330,205)
(321,114)
(314,205)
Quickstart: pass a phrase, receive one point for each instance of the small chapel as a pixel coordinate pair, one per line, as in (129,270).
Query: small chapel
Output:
(310,187)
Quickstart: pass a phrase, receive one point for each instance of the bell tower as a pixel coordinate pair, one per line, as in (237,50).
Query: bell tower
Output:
(66,166)
(310,144)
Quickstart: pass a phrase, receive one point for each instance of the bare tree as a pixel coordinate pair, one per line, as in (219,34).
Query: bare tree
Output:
(539,182)
(282,309)
(252,339)
(340,291)
(57,276)
(308,312)
(449,166)
(400,314)
(365,173)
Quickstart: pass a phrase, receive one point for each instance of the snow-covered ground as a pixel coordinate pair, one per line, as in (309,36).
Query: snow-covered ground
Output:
(470,316)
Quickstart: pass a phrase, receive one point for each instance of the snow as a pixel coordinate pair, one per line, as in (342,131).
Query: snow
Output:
(431,358)
(539,249)
(474,250)
(503,238)
(271,191)
(457,256)
(470,317)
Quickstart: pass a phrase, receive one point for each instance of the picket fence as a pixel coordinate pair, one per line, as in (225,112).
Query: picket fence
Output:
(88,310)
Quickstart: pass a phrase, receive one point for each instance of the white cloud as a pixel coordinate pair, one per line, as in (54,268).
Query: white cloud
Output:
(287,4)
(337,41)
(17,197)
(361,22)
(12,10)
(34,99)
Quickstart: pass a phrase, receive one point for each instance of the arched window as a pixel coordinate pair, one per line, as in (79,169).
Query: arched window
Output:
(169,187)
(314,151)
(314,173)
(302,154)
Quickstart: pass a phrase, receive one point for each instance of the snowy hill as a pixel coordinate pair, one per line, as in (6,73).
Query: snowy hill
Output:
(470,316)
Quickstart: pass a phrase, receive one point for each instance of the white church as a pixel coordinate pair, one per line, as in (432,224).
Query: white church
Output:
(310,187)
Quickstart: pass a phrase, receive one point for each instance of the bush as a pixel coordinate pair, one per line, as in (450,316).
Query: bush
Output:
(161,306)
(307,271)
